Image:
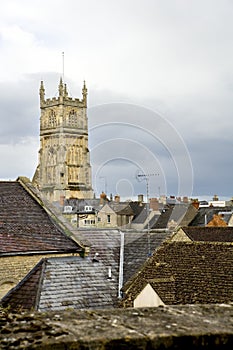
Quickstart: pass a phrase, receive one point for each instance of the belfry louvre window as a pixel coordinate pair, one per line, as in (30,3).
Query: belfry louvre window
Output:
(108,219)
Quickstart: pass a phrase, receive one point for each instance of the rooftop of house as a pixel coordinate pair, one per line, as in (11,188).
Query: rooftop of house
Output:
(141,216)
(189,215)
(64,282)
(120,208)
(58,283)
(137,246)
(226,216)
(78,205)
(26,227)
(164,218)
(186,273)
(209,234)
(205,214)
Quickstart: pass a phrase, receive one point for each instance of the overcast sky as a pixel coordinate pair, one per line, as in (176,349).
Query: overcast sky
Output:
(160,81)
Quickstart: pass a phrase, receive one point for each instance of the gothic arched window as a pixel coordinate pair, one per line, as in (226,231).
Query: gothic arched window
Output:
(73,120)
(52,120)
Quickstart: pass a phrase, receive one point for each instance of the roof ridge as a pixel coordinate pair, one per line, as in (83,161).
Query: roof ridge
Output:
(44,262)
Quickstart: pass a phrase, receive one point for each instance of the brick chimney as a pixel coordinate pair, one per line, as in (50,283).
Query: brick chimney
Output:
(140,198)
(195,203)
(117,198)
(154,204)
(62,200)
(103,198)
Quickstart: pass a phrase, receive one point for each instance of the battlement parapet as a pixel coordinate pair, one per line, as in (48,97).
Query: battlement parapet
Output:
(68,101)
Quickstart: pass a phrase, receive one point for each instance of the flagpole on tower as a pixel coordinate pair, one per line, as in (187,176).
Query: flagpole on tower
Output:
(63,66)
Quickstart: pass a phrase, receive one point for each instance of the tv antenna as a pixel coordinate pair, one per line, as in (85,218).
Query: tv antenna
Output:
(105,183)
(140,176)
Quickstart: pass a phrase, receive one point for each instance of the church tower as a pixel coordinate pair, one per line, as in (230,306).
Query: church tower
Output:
(64,169)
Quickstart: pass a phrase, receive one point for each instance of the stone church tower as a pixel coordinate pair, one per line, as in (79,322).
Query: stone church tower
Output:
(64,169)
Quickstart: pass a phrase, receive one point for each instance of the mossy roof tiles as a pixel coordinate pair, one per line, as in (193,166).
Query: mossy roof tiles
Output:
(200,272)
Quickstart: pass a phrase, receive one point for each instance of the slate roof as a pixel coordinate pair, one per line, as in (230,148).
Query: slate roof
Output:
(209,234)
(141,215)
(137,207)
(79,204)
(186,273)
(106,243)
(180,213)
(104,246)
(226,216)
(199,219)
(189,215)
(138,247)
(61,283)
(26,227)
(121,208)
(164,218)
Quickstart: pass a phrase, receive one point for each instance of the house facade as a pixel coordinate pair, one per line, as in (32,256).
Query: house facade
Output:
(115,215)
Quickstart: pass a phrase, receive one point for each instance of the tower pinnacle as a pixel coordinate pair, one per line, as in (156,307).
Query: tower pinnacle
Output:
(84,91)
(42,92)
(60,88)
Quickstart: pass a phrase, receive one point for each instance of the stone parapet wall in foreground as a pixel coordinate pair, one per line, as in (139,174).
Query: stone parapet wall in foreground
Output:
(169,327)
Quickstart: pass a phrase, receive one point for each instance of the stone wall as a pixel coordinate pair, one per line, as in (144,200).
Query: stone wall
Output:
(173,327)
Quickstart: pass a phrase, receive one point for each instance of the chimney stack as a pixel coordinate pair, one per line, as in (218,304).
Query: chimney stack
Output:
(154,204)
(62,200)
(103,198)
(140,198)
(117,198)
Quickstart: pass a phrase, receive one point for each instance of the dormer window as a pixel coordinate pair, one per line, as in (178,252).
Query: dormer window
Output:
(67,209)
(88,208)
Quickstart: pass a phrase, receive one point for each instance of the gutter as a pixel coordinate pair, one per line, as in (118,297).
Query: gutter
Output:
(44,252)
(121,264)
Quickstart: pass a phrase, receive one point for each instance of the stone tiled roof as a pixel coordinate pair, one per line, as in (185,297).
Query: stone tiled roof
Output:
(186,273)
(26,227)
(211,234)
(61,283)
